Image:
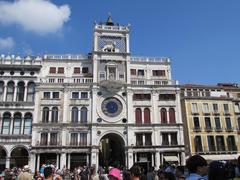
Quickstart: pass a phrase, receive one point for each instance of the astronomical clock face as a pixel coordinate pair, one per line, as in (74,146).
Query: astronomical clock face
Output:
(111,107)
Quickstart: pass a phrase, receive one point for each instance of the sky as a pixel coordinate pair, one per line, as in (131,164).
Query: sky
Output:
(202,37)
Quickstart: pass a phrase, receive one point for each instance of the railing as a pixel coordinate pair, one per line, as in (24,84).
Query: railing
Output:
(197,129)
(150,59)
(208,129)
(82,80)
(115,28)
(219,129)
(229,129)
(32,60)
(65,56)
(141,81)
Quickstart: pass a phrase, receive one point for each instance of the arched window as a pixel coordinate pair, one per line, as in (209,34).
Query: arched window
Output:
(138,116)
(45,115)
(83,115)
(147,118)
(17,123)
(20,91)
(163,115)
(74,114)
(10,91)
(27,124)
(172,118)
(54,115)
(30,92)
(1,90)
(6,123)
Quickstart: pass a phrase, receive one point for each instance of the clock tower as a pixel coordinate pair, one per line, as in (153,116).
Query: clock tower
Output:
(111,68)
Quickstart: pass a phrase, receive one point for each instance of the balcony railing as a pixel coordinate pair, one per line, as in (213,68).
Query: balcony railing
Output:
(218,129)
(56,80)
(142,81)
(229,129)
(197,129)
(208,129)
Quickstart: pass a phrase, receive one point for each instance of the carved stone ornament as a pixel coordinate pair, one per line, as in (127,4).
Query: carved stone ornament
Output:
(111,85)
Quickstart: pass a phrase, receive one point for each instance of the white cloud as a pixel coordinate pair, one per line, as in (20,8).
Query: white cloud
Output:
(39,16)
(6,43)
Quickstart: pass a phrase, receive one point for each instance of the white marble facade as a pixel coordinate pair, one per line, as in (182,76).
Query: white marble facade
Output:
(105,108)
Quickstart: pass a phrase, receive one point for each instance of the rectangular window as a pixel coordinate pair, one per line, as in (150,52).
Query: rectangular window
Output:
(195,92)
(228,123)
(76,70)
(52,70)
(85,70)
(194,107)
(220,143)
(231,143)
(55,95)
(167,97)
(133,72)
(140,97)
(46,95)
(211,144)
(44,139)
(196,123)
(165,141)
(74,139)
(158,73)
(208,123)
(215,107)
(140,72)
(217,123)
(61,70)
(226,108)
(84,95)
(139,139)
(189,92)
(75,95)
(121,76)
(102,75)
(174,141)
(205,108)
(198,144)
(83,139)
(207,93)
(53,139)
(148,139)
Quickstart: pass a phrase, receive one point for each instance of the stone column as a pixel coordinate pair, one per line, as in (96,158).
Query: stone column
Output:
(32,160)
(25,92)
(57,161)
(152,159)
(87,160)
(15,93)
(7,162)
(11,125)
(135,158)
(22,124)
(130,159)
(38,162)
(183,159)
(5,93)
(157,160)
(69,160)
(62,160)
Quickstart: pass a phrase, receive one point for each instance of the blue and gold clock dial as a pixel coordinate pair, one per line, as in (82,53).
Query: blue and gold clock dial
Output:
(111,107)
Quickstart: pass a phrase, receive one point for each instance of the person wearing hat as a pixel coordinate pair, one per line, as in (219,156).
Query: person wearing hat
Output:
(114,174)
(25,174)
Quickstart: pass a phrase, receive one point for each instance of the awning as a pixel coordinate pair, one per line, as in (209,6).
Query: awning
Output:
(171,158)
(220,157)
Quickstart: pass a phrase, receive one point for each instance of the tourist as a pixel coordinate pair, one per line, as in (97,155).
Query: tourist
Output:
(25,174)
(49,174)
(166,176)
(135,172)
(197,167)
(217,171)
(179,173)
(114,174)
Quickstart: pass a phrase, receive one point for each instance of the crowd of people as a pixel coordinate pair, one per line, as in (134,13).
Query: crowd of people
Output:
(196,168)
